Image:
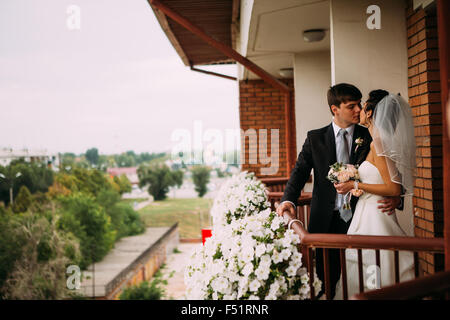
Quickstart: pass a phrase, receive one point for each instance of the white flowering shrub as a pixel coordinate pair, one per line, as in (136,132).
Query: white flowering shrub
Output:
(251,258)
(239,196)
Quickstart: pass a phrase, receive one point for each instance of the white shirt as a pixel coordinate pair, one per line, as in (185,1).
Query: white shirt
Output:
(349,136)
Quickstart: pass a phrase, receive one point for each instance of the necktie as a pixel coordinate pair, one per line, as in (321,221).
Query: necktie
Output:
(343,157)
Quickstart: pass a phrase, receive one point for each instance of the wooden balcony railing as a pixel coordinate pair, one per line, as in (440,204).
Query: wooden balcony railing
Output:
(309,242)
(436,286)
(303,204)
(276,189)
(275,184)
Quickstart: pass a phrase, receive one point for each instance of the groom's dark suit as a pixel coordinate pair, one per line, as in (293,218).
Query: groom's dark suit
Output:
(319,153)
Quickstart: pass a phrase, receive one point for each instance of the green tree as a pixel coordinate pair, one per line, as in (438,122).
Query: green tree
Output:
(92,156)
(90,181)
(124,219)
(178,176)
(23,200)
(68,158)
(123,183)
(125,160)
(200,177)
(10,178)
(88,221)
(220,174)
(36,177)
(158,177)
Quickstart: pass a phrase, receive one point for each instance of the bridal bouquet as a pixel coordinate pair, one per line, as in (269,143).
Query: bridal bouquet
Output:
(253,258)
(240,196)
(340,173)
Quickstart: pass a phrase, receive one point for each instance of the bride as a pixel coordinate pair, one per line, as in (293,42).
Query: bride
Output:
(386,171)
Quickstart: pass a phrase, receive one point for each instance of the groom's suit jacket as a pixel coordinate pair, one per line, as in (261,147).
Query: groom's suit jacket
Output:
(318,154)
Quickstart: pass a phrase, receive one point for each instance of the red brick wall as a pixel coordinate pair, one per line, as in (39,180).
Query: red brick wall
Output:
(425,101)
(262,107)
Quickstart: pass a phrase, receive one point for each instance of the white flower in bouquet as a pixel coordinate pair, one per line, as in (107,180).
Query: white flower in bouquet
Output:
(340,173)
(239,196)
(237,262)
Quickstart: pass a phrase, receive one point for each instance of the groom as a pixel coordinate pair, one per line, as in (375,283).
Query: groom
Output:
(341,141)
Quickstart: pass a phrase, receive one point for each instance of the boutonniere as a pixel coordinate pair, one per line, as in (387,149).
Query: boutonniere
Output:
(359,143)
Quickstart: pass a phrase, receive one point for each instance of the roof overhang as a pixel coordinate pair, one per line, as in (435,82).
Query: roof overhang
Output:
(272,32)
(217,17)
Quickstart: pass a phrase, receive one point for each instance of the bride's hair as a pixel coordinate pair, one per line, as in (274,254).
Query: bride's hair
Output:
(375,96)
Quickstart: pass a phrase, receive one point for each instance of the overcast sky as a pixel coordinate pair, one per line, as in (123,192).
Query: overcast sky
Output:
(116,83)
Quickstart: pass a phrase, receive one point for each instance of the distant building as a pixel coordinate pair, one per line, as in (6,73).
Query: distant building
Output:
(29,155)
(131,173)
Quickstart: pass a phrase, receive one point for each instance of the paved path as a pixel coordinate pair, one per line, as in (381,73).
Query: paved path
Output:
(142,204)
(176,262)
(125,251)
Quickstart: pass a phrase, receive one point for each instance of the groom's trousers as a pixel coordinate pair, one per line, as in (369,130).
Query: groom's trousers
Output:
(337,226)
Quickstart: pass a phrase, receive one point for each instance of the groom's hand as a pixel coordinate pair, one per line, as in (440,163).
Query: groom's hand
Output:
(389,204)
(286,207)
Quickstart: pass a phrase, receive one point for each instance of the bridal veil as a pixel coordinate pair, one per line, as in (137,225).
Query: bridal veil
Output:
(393,136)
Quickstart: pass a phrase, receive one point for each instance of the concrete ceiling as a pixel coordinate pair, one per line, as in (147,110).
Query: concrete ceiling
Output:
(276,28)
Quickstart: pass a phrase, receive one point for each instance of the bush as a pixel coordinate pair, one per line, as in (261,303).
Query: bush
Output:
(123,183)
(10,246)
(23,200)
(124,219)
(40,202)
(131,223)
(146,290)
(90,181)
(88,221)
(40,258)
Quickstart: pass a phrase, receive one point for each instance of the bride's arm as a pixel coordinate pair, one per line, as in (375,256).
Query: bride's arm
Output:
(389,188)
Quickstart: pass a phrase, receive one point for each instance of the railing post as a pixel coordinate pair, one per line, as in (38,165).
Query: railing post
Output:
(360,271)
(344,274)
(326,271)
(311,272)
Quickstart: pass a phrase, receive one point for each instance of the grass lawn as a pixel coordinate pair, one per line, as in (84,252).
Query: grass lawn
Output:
(187,212)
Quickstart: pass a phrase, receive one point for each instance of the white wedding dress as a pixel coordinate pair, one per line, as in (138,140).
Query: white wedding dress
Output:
(369,220)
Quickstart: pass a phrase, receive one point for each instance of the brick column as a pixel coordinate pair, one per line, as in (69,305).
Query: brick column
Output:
(262,107)
(425,101)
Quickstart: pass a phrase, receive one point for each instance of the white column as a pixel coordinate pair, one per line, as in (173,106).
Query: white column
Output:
(369,58)
(311,82)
